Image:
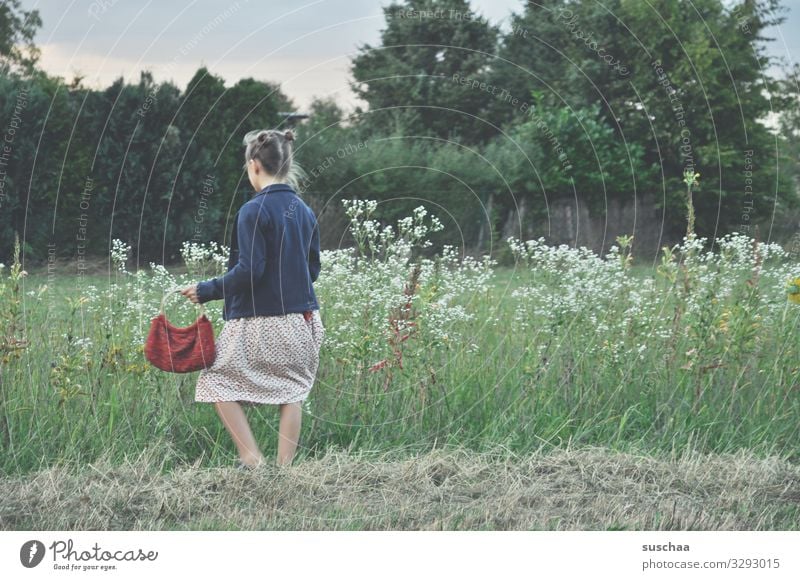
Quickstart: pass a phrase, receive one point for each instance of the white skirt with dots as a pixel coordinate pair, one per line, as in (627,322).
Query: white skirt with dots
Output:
(263,360)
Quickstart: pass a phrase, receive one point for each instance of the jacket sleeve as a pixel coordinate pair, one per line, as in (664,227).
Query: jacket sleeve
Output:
(252,259)
(313,253)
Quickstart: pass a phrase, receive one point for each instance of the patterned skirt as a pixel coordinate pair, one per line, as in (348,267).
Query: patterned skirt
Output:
(264,360)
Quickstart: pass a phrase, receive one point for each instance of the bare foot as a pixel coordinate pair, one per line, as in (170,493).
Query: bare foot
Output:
(252,461)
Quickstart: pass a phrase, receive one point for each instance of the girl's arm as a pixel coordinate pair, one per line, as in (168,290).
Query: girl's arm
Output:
(252,258)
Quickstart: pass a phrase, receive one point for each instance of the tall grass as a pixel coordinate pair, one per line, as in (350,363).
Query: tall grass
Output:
(564,348)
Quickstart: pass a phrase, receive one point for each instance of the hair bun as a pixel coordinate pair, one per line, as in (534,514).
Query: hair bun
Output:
(289,135)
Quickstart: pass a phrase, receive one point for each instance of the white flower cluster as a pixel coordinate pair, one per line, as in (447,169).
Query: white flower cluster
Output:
(356,208)
(718,273)
(737,249)
(363,287)
(125,309)
(161,277)
(578,290)
(205,260)
(120,252)
(414,230)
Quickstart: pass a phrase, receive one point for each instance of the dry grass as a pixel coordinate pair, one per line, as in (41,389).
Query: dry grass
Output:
(445,489)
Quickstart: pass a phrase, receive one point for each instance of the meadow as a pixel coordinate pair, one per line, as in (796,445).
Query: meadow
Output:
(564,361)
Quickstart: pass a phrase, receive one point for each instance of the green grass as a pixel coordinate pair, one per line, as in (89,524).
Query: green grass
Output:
(496,436)
(499,394)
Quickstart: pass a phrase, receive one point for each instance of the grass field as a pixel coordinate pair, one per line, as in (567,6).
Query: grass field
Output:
(442,489)
(621,397)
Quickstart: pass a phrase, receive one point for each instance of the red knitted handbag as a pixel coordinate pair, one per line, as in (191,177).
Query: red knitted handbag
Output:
(180,350)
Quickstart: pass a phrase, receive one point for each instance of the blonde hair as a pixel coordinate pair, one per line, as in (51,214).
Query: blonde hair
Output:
(274,149)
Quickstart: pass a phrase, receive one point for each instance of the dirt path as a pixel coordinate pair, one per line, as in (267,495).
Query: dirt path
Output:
(589,489)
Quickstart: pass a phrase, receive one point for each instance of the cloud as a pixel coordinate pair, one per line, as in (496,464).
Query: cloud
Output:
(301,78)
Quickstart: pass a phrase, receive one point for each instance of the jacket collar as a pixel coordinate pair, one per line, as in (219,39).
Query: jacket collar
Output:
(274,188)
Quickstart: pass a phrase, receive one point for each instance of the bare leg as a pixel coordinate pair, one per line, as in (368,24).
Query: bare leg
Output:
(289,432)
(235,422)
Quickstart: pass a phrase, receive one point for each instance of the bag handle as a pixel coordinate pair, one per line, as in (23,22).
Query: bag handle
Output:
(177,289)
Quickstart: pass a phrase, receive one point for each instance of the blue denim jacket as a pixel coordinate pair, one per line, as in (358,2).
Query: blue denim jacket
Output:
(274,258)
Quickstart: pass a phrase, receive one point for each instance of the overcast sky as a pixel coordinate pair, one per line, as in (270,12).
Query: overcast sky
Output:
(304,45)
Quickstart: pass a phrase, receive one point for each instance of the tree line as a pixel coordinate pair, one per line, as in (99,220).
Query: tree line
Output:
(571,99)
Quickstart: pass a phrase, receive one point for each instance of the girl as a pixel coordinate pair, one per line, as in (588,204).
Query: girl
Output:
(268,349)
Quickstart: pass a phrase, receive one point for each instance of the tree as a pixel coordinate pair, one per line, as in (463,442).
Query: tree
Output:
(687,81)
(559,152)
(789,149)
(17,29)
(533,57)
(327,149)
(247,105)
(411,81)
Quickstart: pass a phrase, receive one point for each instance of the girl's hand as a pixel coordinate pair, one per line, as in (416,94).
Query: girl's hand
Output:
(191,293)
